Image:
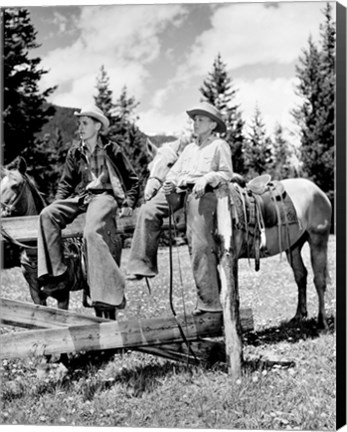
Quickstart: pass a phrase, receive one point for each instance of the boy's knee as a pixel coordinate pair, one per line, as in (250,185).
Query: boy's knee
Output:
(47,213)
(89,232)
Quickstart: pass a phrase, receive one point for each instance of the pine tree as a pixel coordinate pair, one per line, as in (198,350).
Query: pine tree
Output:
(282,153)
(126,106)
(123,129)
(257,148)
(103,99)
(218,90)
(316,115)
(45,164)
(25,109)
(133,140)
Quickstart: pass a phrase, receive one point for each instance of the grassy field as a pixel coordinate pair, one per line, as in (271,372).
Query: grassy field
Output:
(138,390)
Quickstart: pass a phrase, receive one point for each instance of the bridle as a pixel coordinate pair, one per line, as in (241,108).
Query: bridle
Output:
(9,207)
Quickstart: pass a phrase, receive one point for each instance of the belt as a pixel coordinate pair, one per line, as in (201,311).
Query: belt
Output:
(189,188)
(100,191)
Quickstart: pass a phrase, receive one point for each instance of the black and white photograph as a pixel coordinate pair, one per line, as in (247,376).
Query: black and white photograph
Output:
(173,215)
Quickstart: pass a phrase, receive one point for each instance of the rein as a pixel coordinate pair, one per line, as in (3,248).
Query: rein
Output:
(171,288)
(6,236)
(156,178)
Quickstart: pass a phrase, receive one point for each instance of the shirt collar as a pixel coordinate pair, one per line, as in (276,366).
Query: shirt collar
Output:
(85,148)
(206,141)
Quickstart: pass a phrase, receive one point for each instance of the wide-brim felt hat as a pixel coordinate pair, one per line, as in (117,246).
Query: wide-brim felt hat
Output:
(208,110)
(94,112)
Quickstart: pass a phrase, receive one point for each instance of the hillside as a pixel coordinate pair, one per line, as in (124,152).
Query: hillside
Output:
(65,122)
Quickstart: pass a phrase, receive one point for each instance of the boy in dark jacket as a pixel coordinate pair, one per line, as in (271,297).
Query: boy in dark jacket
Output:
(97,179)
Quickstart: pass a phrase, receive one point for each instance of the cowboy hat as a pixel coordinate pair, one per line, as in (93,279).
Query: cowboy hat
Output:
(94,112)
(208,110)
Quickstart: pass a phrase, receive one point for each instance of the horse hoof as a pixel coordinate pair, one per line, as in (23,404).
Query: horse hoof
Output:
(323,331)
(298,319)
(323,327)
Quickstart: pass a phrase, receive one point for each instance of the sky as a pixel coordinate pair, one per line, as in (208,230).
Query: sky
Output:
(163,52)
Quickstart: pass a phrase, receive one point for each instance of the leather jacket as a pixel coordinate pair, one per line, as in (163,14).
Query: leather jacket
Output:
(74,180)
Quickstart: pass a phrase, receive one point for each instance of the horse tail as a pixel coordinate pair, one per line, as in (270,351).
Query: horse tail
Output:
(327,275)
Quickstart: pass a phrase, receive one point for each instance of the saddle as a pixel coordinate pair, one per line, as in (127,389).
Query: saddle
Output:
(261,204)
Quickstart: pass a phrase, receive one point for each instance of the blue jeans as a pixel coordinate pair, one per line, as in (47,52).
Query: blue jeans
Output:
(200,215)
(103,245)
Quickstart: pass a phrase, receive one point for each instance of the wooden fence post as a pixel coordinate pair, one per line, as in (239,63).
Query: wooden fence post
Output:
(228,269)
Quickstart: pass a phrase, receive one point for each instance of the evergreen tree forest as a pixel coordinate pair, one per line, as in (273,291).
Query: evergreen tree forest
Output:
(316,115)
(42,132)
(25,110)
(123,129)
(258,147)
(219,90)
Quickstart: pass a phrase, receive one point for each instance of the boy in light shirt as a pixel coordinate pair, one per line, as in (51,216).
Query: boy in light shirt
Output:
(202,167)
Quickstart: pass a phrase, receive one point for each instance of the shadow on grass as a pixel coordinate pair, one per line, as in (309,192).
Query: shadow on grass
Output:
(135,380)
(80,362)
(148,376)
(288,331)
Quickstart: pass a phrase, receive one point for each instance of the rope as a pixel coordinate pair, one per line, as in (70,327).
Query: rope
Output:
(243,202)
(171,289)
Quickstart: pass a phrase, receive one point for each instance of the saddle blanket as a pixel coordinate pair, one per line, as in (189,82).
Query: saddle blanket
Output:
(276,207)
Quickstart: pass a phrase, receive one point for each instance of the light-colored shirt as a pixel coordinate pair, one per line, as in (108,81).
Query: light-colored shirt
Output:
(211,160)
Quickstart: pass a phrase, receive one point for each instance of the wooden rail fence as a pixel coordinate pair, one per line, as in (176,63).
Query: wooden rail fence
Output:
(54,331)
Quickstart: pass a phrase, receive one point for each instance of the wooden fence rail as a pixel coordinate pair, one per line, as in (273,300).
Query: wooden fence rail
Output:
(78,333)
(69,332)
(25,228)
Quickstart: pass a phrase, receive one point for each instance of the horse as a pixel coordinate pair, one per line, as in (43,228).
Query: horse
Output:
(20,197)
(313,213)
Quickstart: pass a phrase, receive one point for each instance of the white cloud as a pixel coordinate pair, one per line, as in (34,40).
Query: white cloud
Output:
(274,98)
(154,122)
(247,34)
(60,20)
(127,40)
(123,38)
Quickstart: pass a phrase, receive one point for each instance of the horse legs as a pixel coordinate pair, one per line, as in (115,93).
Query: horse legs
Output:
(29,269)
(319,259)
(300,275)
(63,303)
(108,313)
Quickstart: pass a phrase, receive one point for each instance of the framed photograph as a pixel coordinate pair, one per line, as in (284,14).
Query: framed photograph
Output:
(173,215)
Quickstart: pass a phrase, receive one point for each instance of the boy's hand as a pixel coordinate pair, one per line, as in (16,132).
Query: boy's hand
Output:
(126,212)
(199,187)
(168,187)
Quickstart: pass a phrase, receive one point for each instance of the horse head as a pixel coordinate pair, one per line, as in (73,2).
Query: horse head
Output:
(19,195)
(163,158)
